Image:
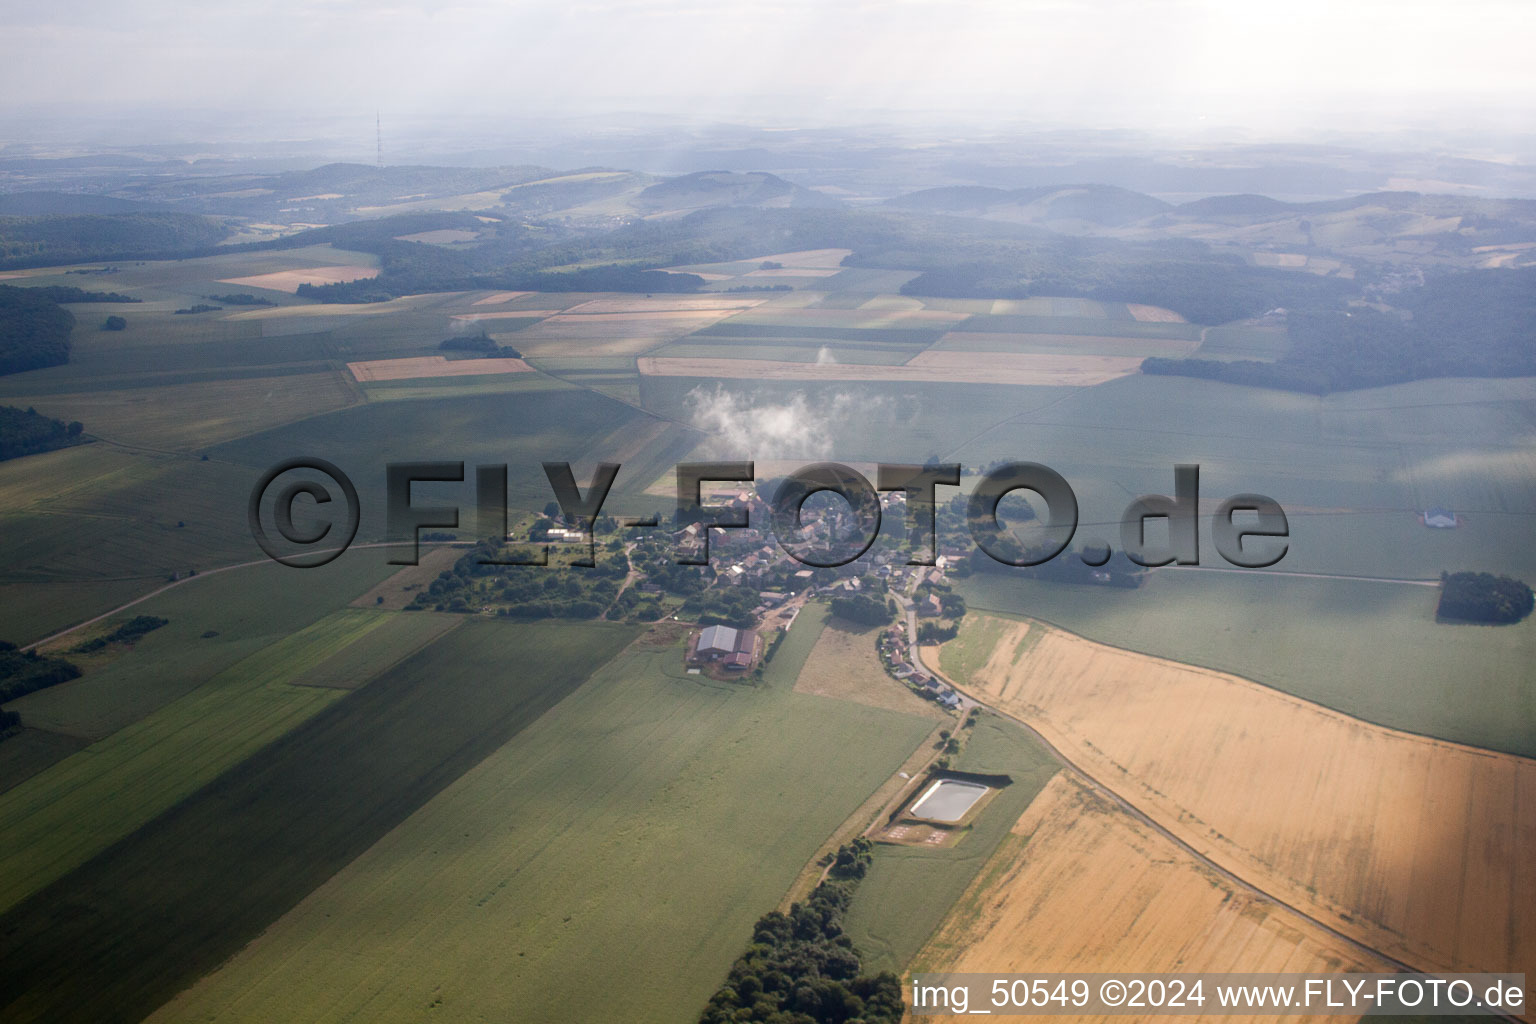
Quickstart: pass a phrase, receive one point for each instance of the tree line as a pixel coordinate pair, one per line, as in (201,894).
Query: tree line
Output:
(802,968)
(24,672)
(29,432)
(34,330)
(54,239)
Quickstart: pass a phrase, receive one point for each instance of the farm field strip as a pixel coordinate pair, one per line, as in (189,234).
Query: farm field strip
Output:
(608,334)
(506,314)
(432,367)
(192,887)
(192,416)
(845,666)
(289,280)
(926,367)
(497,298)
(911,889)
(667,304)
(399,304)
(984,344)
(1153,314)
(1404,843)
(648,803)
(62,817)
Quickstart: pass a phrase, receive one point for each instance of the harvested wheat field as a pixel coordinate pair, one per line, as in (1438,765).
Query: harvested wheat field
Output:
(666,304)
(313,309)
(844,665)
(1080,885)
(794,272)
(927,367)
(613,334)
(701,274)
(1154,314)
(432,366)
(1417,847)
(289,280)
(497,298)
(988,344)
(506,314)
(809,258)
(786,316)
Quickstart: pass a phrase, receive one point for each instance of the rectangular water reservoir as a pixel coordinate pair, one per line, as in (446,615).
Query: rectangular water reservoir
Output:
(948,800)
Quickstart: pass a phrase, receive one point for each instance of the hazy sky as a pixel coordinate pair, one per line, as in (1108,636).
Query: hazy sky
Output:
(1098,61)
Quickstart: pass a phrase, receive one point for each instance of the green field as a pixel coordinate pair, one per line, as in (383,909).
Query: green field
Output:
(215,621)
(122,932)
(910,889)
(1351,470)
(643,825)
(62,817)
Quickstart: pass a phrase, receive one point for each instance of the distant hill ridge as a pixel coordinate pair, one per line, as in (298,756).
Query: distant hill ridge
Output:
(41,204)
(1110,204)
(729,188)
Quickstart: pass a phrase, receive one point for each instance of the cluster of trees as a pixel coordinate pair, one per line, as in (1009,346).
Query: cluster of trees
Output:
(728,606)
(54,239)
(481,344)
(1471,324)
(34,330)
(240,299)
(801,968)
(524,592)
(69,293)
(127,633)
(661,569)
(23,672)
(201,307)
(635,605)
(1483,597)
(114,323)
(27,432)
(10,724)
(863,610)
(929,633)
